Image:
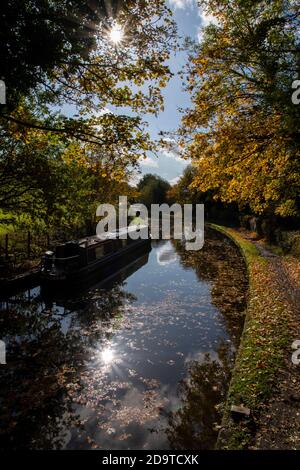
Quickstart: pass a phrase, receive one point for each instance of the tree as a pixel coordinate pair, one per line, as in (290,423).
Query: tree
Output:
(81,66)
(244,126)
(185,192)
(55,182)
(59,167)
(182,192)
(152,190)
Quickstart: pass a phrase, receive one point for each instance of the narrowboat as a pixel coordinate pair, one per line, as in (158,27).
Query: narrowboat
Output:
(80,260)
(68,297)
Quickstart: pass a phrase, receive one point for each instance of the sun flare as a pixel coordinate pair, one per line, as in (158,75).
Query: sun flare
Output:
(116,34)
(107,355)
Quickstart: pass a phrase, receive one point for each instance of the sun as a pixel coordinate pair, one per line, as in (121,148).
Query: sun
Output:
(116,34)
(107,355)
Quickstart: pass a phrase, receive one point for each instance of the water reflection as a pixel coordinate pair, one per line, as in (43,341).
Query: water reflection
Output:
(195,424)
(220,264)
(102,368)
(107,355)
(166,254)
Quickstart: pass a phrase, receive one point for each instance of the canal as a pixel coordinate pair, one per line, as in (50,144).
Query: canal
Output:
(142,362)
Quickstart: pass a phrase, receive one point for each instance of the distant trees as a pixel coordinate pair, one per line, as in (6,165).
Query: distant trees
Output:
(153,190)
(183,191)
(186,191)
(243,129)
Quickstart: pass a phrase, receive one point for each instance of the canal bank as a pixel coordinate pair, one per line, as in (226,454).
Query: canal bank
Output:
(264,379)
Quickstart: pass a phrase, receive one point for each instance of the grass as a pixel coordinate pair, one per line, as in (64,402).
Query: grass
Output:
(4,226)
(263,345)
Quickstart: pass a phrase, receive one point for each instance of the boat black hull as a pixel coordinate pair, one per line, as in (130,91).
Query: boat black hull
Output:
(99,269)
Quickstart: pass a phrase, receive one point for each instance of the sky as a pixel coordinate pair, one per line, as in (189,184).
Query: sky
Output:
(190,19)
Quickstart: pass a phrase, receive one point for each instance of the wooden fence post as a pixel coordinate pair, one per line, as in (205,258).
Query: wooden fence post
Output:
(6,246)
(28,244)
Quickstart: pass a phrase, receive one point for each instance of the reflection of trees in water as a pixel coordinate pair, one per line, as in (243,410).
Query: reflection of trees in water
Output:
(46,348)
(220,263)
(194,425)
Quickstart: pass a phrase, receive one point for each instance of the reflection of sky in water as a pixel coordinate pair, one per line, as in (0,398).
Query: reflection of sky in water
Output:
(166,255)
(134,360)
(171,320)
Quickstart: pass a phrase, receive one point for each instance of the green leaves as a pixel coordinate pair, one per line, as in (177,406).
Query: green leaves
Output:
(81,67)
(59,56)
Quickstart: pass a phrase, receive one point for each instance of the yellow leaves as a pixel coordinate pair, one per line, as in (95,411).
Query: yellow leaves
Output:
(75,152)
(242,138)
(287,209)
(233,158)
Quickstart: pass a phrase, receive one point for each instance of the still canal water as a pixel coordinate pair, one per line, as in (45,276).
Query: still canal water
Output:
(141,363)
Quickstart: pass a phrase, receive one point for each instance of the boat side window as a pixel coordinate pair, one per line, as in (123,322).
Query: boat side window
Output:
(99,251)
(114,246)
(91,255)
(108,247)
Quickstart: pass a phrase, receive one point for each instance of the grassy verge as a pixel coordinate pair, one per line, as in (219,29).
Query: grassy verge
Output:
(263,346)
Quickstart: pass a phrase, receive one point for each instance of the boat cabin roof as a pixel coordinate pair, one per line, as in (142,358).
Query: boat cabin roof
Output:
(105,237)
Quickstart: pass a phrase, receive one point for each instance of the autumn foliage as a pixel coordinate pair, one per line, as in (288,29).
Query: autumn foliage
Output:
(242,131)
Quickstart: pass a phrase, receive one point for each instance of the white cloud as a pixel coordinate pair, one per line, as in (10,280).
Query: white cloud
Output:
(169,165)
(172,154)
(206,19)
(182,4)
(174,180)
(135,178)
(169,140)
(148,161)
(103,111)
